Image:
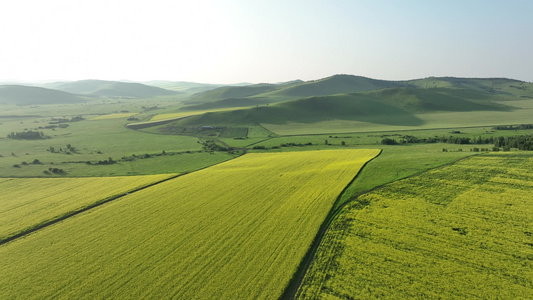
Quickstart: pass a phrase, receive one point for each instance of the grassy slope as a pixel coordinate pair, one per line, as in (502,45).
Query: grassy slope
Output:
(239,239)
(337,84)
(461,231)
(230,92)
(27,95)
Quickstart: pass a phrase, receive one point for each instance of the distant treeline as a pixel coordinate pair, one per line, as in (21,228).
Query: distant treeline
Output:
(513,127)
(521,142)
(26,135)
(409,139)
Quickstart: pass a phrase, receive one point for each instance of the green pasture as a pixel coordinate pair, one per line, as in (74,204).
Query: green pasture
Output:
(134,152)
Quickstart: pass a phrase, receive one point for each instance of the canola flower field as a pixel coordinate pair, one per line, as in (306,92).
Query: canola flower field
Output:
(236,230)
(459,232)
(26,203)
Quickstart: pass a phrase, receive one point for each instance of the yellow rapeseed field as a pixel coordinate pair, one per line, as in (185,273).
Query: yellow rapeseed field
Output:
(28,202)
(464,231)
(237,230)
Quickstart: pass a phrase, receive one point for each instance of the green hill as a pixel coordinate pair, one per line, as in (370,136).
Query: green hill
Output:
(400,104)
(29,95)
(504,86)
(341,84)
(231,92)
(103,88)
(227,103)
(337,84)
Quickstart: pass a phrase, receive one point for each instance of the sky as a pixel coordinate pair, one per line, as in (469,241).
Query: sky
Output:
(233,41)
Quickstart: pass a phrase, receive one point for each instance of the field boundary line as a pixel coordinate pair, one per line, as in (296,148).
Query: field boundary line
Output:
(298,277)
(67,215)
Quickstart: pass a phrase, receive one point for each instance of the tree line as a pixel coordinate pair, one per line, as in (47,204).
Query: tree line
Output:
(521,142)
(26,135)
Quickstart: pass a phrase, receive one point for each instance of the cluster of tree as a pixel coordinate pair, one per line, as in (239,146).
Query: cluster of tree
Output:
(513,127)
(54,171)
(65,120)
(67,150)
(210,145)
(108,161)
(26,135)
(521,142)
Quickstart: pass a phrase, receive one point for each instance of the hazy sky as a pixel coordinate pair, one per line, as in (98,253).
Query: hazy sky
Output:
(229,41)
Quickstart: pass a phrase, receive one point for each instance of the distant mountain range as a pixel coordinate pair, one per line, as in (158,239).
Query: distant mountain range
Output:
(209,96)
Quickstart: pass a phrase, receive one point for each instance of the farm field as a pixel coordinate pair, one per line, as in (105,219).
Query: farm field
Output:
(459,231)
(26,203)
(237,230)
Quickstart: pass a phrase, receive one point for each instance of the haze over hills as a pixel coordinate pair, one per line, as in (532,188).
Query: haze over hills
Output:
(102,88)
(29,95)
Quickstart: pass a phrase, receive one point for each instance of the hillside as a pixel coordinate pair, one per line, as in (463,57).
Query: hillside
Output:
(29,95)
(103,88)
(341,84)
(503,86)
(227,103)
(395,102)
(337,84)
(231,92)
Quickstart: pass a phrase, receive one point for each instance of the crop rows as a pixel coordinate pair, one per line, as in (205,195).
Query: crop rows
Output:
(25,203)
(237,230)
(462,231)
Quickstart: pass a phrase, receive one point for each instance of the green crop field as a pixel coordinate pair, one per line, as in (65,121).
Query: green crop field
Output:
(460,231)
(25,203)
(237,230)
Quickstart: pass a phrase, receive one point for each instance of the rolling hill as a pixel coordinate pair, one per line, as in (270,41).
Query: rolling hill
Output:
(341,84)
(231,92)
(398,103)
(29,95)
(103,88)
(336,84)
